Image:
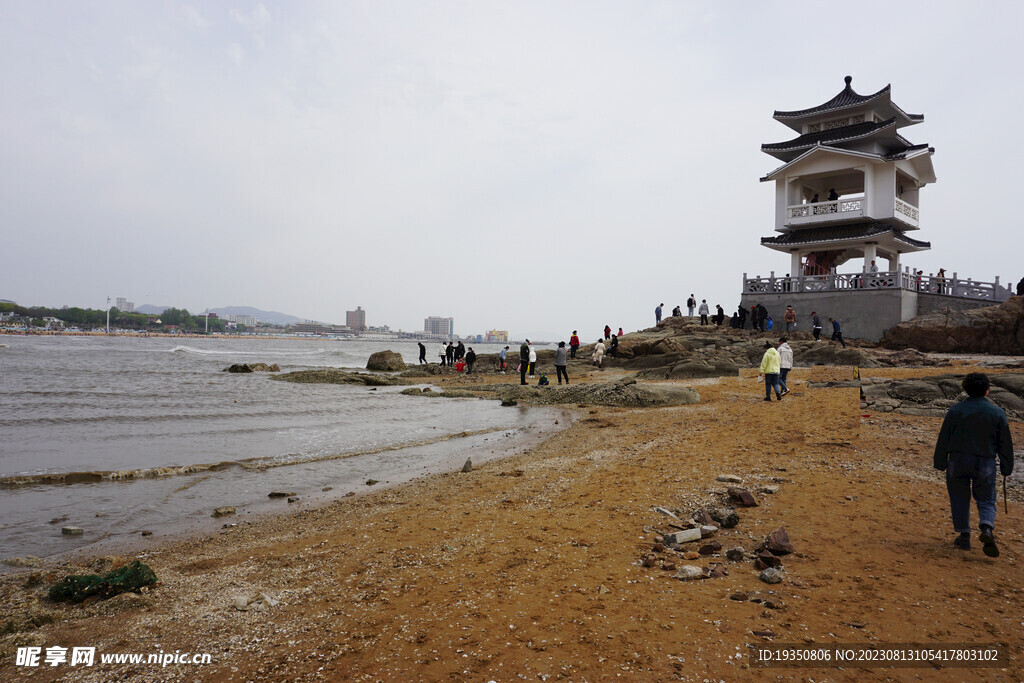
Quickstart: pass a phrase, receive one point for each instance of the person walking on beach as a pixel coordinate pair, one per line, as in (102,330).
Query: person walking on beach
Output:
(442,354)
(607,332)
(470,359)
(837,334)
(502,356)
(771,363)
(561,361)
(533,361)
(691,304)
(785,363)
(790,317)
(423,353)
(574,344)
(657,315)
(704,310)
(524,361)
(816,326)
(598,356)
(974,434)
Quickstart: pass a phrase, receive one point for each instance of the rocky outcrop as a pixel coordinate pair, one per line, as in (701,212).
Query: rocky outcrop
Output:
(933,396)
(336,376)
(625,392)
(252,367)
(994,329)
(386,361)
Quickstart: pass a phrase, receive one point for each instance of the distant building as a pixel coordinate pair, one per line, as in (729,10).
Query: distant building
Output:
(311,327)
(247,320)
(124,305)
(356,320)
(497,336)
(439,327)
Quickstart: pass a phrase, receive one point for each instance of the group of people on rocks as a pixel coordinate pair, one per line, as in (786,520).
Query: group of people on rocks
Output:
(453,355)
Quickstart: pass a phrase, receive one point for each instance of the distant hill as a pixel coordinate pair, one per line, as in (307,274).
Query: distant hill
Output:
(272,317)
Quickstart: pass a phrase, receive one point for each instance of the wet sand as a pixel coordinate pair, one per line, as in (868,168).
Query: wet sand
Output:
(530,566)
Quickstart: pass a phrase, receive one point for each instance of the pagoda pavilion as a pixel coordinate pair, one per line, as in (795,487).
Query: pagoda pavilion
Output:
(848,194)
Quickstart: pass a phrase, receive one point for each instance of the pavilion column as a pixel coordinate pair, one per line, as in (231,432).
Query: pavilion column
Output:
(894,262)
(795,269)
(870,254)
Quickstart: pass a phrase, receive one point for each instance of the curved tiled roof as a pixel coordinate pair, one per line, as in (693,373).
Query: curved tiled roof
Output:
(844,134)
(847,97)
(842,233)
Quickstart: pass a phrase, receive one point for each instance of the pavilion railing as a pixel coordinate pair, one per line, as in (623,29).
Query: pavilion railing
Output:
(883,280)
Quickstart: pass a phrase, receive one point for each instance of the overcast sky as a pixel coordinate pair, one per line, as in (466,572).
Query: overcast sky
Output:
(529,166)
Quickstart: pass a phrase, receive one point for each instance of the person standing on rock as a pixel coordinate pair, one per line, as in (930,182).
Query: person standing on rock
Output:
(574,344)
(719,315)
(771,364)
(533,361)
(502,356)
(742,313)
(691,304)
(837,334)
(449,353)
(598,356)
(657,317)
(613,347)
(561,361)
(607,332)
(470,359)
(816,326)
(442,354)
(974,434)
(423,353)
(762,316)
(704,310)
(790,317)
(524,361)
(785,363)
(620,331)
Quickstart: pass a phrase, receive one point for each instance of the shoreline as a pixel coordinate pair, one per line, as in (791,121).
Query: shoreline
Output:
(416,460)
(534,565)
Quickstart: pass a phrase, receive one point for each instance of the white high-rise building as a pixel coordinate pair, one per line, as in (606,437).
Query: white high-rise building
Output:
(439,327)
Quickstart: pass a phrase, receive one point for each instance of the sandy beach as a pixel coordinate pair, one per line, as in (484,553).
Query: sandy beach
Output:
(532,567)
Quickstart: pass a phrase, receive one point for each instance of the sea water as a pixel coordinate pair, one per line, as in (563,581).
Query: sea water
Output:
(152,434)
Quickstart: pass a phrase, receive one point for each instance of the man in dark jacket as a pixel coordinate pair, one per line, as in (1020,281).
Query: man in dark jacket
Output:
(974,434)
(524,361)
(470,359)
(762,315)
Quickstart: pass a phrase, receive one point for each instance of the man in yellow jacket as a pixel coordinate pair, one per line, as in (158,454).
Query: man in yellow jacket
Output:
(771,365)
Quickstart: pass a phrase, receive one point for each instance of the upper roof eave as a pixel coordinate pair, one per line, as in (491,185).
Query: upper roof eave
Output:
(779,150)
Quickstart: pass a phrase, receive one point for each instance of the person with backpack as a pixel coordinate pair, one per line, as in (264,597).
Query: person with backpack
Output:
(790,318)
(691,304)
(574,344)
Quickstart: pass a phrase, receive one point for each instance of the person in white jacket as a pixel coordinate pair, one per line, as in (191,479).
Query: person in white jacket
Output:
(786,352)
(703,311)
(598,356)
(533,360)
